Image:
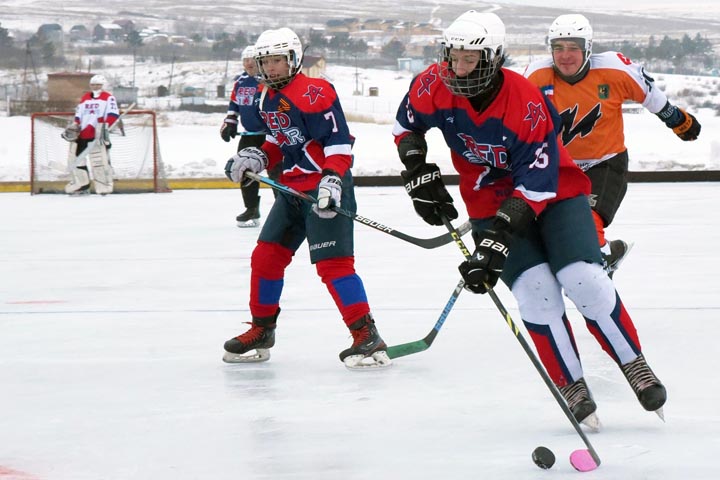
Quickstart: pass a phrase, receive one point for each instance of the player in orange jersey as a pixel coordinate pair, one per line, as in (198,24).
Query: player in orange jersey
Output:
(588,90)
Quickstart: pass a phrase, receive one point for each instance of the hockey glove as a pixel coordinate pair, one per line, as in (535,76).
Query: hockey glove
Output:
(483,268)
(682,123)
(71,133)
(248,159)
(430,198)
(329,193)
(689,128)
(229,128)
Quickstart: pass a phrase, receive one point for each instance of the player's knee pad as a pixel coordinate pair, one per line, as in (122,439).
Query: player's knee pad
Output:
(538,295)
(333,268)
(589,288)
(269,260)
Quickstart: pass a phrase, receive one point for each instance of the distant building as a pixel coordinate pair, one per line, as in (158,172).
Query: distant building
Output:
(51,32)
(79,32)
(314,66)
(108,31)
(65,89)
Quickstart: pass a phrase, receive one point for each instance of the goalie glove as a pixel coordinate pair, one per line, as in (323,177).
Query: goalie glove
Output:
(329,194)
(229,128)
(71,133)
(248,159)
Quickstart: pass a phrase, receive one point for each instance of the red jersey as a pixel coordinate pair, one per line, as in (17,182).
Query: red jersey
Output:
(510,148)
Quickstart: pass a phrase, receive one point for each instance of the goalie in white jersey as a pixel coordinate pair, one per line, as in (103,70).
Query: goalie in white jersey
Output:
(88,158)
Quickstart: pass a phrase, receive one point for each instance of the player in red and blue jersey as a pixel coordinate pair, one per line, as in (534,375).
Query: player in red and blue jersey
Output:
(309,137)
(526,199)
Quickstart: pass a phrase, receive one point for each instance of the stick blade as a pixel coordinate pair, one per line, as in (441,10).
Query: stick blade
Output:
(583,461)
(396,351)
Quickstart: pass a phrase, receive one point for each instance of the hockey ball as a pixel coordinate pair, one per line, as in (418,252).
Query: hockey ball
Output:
(543,457)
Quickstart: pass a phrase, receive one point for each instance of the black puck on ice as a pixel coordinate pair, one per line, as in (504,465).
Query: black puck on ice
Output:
(543,457)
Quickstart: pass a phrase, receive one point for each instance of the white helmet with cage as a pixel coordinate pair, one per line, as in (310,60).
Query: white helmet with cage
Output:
(97,80)
(96,84)
(282,41)
(473,30)
(574,27)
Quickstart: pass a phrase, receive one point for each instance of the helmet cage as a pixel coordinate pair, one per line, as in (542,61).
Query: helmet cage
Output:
(281,42)
(476,82)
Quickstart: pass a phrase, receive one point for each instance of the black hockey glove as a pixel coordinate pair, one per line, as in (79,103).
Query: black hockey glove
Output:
(682,123)
(493,245)
(483,268)
(430,198)
(229,128)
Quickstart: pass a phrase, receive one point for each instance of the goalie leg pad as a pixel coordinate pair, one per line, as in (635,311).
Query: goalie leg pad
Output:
(101,170)
(79,181)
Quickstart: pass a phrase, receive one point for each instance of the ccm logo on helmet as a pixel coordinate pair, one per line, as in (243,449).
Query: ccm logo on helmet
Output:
(427,178)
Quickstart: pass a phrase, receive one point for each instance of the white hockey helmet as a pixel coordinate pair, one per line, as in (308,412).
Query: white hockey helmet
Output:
(473,31)
(97,80)
(572,27)
(248,52)
(282,41)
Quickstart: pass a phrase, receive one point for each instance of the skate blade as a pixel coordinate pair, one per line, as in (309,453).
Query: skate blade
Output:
(260,355)
(374,361)
(248,224)
(660,414)
(592,422)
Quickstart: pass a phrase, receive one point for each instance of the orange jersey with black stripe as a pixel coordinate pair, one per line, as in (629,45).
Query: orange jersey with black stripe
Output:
(591,109)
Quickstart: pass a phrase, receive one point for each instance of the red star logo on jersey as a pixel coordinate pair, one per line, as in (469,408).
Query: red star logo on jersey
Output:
(313,93)
(425,82)
(535,114)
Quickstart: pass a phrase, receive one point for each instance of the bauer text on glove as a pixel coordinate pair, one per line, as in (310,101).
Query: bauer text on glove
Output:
(329,194)
(483,268)
(248,159)
(430,198)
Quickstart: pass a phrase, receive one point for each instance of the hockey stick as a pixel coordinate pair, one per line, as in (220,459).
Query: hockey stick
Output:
(423,344)
(581,460)
(420,242)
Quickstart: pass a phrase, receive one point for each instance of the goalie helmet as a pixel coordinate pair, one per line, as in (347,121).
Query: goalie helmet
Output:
(97,80)
(483,32)
(283,42)
(572,27)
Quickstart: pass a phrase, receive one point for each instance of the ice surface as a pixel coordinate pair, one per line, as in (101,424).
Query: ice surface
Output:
(113,312)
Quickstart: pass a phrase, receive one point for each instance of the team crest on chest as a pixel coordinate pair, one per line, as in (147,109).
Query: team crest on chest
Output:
(313,93)
(535,114)
(603,91)
(425,82)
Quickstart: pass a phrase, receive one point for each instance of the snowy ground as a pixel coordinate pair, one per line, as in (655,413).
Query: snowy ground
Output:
(113,312)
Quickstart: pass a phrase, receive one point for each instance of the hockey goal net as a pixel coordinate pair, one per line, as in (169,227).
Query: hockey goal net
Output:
(134,155)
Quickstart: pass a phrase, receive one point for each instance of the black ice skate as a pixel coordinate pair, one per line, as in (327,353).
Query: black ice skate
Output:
(260,338)
(581,404)
(649,390)
(618,252)
(249,218)
(368,349)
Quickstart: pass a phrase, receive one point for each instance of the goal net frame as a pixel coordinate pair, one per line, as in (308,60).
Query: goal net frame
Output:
(49,169)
